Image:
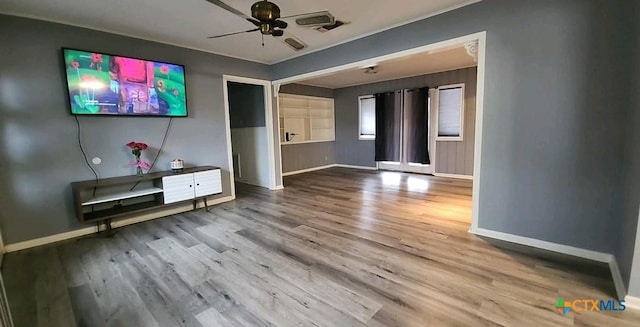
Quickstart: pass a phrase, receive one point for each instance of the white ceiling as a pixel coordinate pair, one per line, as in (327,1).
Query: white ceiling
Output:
(188,23)
(419,64)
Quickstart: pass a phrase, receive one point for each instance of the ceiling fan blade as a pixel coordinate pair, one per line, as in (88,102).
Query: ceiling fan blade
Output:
(277,33)
(234,33)
(280,24)
(234,11)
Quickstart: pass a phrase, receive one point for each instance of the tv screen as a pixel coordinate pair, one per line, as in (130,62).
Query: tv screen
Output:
(104,84)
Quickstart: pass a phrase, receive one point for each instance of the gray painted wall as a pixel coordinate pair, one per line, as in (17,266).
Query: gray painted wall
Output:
(630,237)
(309,155)
(451,157)
(38,143)
(554,103)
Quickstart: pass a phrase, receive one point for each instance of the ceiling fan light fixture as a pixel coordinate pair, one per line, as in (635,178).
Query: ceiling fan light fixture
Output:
(265,11)
(266,28)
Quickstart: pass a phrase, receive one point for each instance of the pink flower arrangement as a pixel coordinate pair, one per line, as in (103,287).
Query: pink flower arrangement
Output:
(136,150)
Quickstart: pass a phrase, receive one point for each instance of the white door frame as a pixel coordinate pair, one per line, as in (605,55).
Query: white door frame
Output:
(268,108)
(481,38)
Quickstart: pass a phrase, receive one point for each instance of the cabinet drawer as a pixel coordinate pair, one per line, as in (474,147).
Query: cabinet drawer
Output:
(178,188)
(207,182)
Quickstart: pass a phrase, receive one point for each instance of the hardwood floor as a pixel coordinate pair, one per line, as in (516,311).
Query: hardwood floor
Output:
(338,247)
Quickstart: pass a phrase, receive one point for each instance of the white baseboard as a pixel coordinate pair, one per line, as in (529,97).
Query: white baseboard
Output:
(453,176)
(357,167)
(50,239)
(328,166)
(621,290)
(564,249)
(632,302)
(307,170)
(117,223)
(279,187)
(550,246)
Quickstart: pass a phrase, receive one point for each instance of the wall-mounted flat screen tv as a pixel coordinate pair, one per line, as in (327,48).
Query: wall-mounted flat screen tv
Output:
(104,84)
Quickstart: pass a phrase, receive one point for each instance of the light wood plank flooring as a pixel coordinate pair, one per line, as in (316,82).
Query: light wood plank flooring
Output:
(338,247)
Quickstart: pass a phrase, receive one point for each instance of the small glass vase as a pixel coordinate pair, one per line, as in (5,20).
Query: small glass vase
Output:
(139,171)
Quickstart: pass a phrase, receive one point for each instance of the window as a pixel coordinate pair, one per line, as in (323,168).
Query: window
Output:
(450,112)
(367,117)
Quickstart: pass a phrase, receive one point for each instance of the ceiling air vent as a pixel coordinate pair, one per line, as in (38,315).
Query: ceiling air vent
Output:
(327,28)
(294,43)
(371,70)
(316,19)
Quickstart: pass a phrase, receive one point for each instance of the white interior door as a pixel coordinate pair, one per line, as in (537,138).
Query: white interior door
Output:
(404,164)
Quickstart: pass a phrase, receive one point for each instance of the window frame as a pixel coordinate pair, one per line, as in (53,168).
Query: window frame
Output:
(364,137)
(460,137)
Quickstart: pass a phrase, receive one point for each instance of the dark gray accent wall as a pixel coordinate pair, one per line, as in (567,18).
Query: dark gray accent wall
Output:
(451,157)
(38,141)
(307,155)
(246,105)
(554,104)
(629,225)
(301,89)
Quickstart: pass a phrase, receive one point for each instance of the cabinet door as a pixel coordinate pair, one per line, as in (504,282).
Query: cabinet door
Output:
(178,188)
(208,182)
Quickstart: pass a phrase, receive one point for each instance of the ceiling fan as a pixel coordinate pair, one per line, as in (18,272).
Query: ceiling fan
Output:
(265,16)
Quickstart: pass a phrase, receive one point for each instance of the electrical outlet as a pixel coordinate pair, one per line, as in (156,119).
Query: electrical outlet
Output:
(326,158)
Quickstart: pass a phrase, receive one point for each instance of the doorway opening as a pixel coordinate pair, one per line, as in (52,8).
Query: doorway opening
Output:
(450,134)
(251,146)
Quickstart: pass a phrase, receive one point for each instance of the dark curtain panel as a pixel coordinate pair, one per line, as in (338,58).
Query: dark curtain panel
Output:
(388,125)
(416,115)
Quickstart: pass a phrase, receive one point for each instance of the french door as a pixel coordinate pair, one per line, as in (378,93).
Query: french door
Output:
(405,164)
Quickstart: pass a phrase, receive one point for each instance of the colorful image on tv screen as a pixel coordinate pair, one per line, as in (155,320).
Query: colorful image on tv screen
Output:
(112,85)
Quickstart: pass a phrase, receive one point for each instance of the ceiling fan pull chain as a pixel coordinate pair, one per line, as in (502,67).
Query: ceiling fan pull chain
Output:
(262,39)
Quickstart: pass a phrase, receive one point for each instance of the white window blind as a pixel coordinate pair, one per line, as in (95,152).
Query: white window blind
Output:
(450,113)
(367,118)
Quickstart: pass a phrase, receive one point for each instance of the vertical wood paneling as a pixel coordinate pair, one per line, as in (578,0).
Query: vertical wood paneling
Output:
(457,157)
(307,155)
(470,128)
